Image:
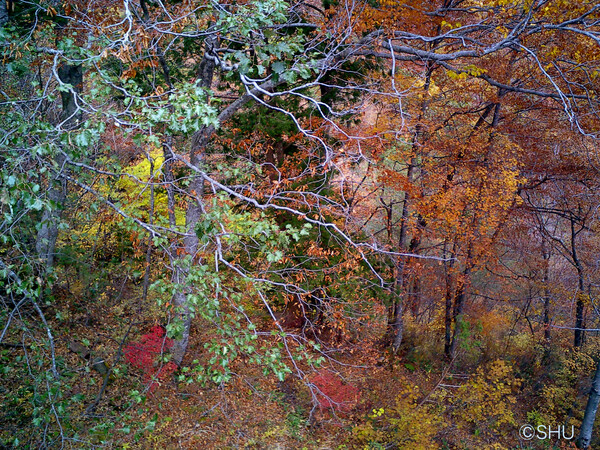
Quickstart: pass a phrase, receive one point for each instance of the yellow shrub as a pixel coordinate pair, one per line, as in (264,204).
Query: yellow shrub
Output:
(486,400)
(407,425)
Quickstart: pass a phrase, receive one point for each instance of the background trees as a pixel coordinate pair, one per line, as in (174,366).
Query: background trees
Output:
(290,184)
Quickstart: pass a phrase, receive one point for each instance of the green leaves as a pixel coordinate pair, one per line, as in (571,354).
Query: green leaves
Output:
(183,112)
(247,231)
(278,67)
(219,295)
(261,40)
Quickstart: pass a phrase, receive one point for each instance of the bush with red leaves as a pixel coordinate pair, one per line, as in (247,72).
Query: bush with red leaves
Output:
(143,355)
(333,393)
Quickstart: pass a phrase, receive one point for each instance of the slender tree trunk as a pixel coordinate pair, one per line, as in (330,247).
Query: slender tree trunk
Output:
(194,213)
(47,235)
(71,117)
(457,315)
(587,425)
(3,13)
(167,171)
(403,282)
(400,278)
(459,303)
(448,322)
(579,331)
(414,286)
(396,325)
(448,301)
(150,243)
(546,290)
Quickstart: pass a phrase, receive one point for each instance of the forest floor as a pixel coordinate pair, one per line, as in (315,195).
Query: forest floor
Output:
(412,400)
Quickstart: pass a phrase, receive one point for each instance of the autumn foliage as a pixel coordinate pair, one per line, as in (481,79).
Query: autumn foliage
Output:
(144,356)
(333,393)
(388,209)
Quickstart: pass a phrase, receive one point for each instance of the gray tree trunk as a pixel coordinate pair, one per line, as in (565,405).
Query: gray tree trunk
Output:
(400,284)
(400,280)
(546,292)
(195,210)
(47,235)
(3,13)
(587,426)
(579,325)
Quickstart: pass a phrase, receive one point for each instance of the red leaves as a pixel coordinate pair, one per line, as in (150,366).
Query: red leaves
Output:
(333,393)
(143,355)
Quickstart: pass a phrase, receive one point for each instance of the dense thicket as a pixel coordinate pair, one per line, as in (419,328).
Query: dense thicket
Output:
(383,212)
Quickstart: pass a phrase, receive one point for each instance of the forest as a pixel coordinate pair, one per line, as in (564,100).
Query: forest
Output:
(299,224)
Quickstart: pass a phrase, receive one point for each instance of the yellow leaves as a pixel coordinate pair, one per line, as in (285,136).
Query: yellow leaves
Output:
(488,397)
(409,423)
(377,413)
(433,88)
(465,72)
(457,75)
(133,189)
(445,24)
(584,298)
(554,52)
(140,172)
(503,30)
(475,71)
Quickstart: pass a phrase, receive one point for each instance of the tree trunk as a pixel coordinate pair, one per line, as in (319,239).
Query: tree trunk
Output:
(195,210)
(414,286)
(587,426)
(167,170)
(47,235)
(457,315)
(459,302)
(3,13)
(579,331)
(546,290)
(399,281)
(396,325)
(448,265)
(448,319)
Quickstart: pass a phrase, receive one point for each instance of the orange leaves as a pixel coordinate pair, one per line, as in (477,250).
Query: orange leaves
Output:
(395,180)
(395,14)
(315,250)
(133,69)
